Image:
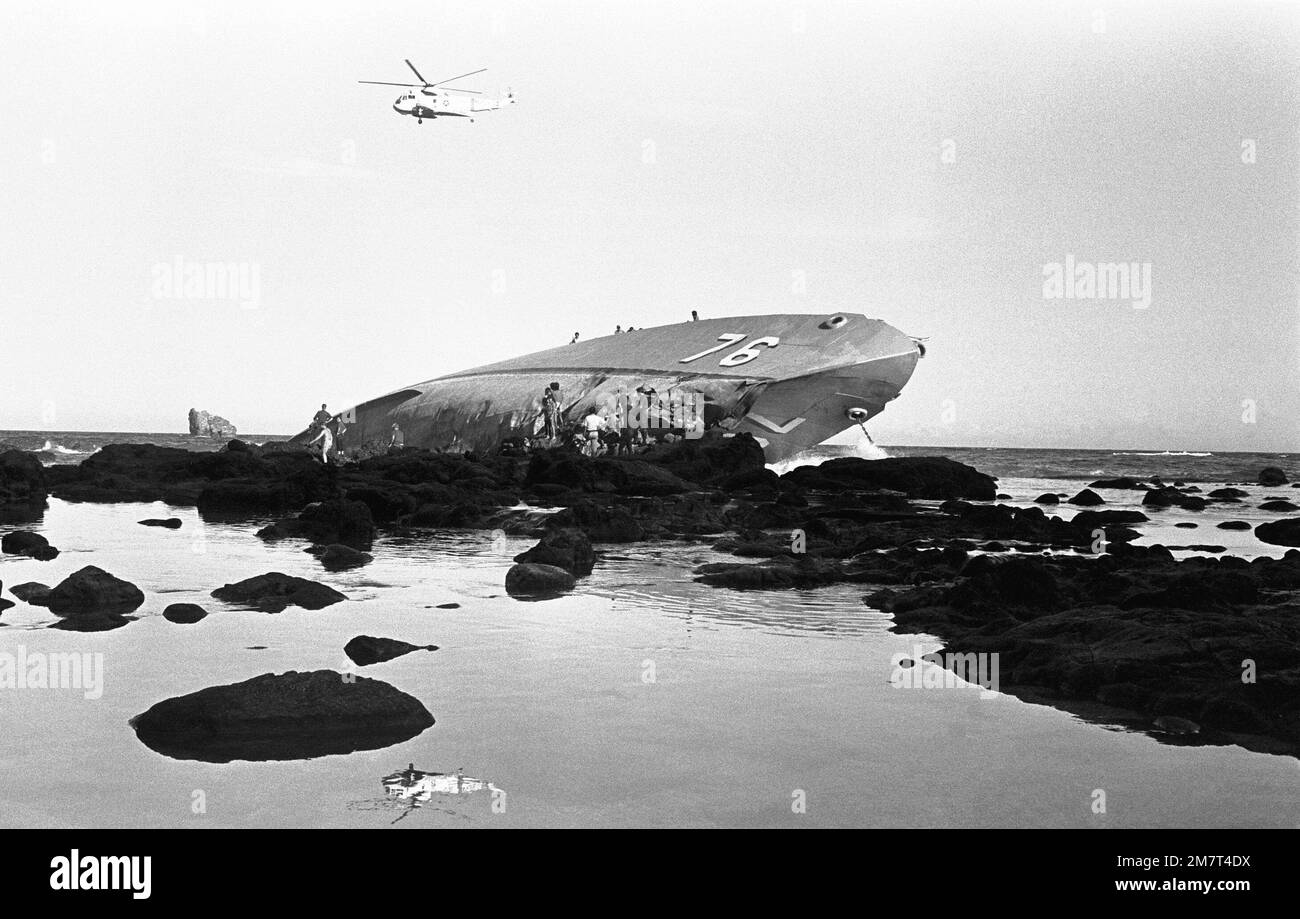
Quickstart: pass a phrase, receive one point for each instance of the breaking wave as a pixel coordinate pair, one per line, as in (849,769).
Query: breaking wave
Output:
(863,449)
(1162,453)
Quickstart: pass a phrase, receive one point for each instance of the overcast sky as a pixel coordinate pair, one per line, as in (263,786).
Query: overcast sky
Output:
(920,163)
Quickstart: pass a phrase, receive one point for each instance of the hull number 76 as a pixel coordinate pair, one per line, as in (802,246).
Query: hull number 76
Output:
(740,355)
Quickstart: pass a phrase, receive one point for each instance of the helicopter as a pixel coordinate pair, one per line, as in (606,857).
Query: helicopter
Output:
(434,100)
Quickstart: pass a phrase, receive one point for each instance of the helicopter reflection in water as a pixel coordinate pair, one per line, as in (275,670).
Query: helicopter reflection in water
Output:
(419,787)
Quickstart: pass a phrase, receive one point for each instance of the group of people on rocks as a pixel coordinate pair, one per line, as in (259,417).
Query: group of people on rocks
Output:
(329,431)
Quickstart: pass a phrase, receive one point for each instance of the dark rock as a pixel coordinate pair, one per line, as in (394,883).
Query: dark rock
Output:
(1087,498)
(1278,506)
(1172,724)
(184,613)
(93,591)
(1228,493)
(281,717)
(340,521)
(1271,477)
(21,542)
(171,523)
(32,592)
(1188,525)
(1168,496)
(338,557)
(366,649)
(564,547)
(448,606)
(273,592)
(709,461)
(601,523)
(1233,525)
(1123,482)
(527,579)
(1280,532)
(935,477)
(1003,497)
(23,487)
(1047,498)
(1089,519)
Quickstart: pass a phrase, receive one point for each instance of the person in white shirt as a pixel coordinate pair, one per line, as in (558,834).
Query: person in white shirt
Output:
(592,424)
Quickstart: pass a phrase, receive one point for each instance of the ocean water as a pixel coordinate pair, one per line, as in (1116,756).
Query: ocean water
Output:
(641,699)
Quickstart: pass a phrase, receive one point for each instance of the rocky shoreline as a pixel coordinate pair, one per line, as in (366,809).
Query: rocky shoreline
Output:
(1199,650)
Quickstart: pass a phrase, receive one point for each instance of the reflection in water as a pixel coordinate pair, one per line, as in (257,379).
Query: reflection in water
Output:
(658,577)
(419,787)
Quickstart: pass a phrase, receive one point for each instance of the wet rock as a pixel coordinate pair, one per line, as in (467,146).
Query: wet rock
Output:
(32,593)
(1271,477)
(1047,498)
(1228,493)
(1167,496)
(365,650)
(184,613)
(273,592)
(564,547)
(1278,506)
(531,580)
(1280,532)
(23,487)
(1188,525)
(1232,525)
(1089,519)
(93,591)
(1087,498)
(709,461)
(1123,482)
(340,521)
(448,606)
(20,542)
(171,523)
(282,717)
(935,477)
(1172,724)
(1003,497)
(236,480)
(601,522)
(338,557)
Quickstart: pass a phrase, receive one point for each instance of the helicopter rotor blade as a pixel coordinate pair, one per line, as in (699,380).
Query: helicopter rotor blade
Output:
(382,83)
(417,74)
(452,79)
(454,89)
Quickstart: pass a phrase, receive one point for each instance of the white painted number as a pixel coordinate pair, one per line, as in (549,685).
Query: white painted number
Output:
(730,338)
(749,352)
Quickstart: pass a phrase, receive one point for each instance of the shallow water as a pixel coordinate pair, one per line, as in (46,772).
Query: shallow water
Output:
(642,698)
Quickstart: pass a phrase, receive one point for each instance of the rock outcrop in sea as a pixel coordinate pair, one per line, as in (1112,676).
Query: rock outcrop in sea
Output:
(204,424)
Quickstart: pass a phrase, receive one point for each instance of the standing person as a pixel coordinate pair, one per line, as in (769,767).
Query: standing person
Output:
(321,418)
(325,438)
(592,424)
(550,411)
(695,317)
(396,439)
(574,340)
(618,330)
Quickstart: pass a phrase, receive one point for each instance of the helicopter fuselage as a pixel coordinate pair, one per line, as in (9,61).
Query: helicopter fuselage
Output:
(422,105)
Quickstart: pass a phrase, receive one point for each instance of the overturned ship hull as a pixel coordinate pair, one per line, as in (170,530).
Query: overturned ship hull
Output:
(791,380)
